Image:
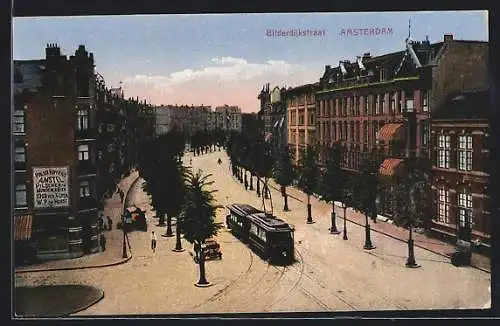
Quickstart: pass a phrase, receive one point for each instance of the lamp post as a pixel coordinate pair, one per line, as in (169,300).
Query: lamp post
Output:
(124,254)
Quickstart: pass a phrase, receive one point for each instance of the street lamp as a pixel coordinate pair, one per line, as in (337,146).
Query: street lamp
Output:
(124,255)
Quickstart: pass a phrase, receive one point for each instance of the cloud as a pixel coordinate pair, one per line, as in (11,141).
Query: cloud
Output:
(218,70)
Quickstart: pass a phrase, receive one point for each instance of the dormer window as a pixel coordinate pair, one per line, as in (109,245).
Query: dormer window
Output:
(383,74)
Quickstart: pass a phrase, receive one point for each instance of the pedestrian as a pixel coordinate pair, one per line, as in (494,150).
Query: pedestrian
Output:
(103,242)
(110,223)
(220,254)
(121,195)
(153,241)
(101,224)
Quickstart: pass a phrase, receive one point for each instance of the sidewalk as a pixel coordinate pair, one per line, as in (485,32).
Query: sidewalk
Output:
(421,240)
(114,240)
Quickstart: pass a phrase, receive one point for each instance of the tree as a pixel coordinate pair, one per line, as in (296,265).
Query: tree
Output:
(263,169)
(413,198)
(365,192)
(160,167)
(308,176)
(284,172)
(334,181)
(198,218)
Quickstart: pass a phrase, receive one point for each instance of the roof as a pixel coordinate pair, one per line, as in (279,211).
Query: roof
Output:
(23,225)
(244,209)
(268,220)
(389,131)
(389,166)
(397,64)
(473,104)
(28,75)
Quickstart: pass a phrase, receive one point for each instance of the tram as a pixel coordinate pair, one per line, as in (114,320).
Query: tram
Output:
(269,236)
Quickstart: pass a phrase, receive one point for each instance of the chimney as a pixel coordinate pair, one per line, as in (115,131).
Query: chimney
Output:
(448,37)
(328,67)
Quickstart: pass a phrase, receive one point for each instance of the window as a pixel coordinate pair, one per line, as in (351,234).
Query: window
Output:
(443,206)
(366,106)
(365,133)
(465,208)
(425,101)
(444,151)
(465,152)
(382,74)
(377,104)
(83,120)
(382,103)
(311,118)
(425,134)
(21,195)
(83,152)
(18,121)
(392,104)
(84,189)
(409,101)
(20,154)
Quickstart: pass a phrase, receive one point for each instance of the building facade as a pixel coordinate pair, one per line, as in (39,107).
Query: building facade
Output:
(460,168)
(301,122)
(112,144)
(55,153)
(231,117)
(382,104)
(273,115)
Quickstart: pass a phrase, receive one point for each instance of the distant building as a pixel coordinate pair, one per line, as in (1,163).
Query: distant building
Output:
(231,117)
(461,167)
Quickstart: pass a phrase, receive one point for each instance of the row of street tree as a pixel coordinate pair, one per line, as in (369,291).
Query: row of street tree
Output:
(358,190)
(206,141)
(178,192)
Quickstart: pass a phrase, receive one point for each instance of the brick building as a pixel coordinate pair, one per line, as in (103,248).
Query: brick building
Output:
(54,153)
(301,113)
(382,103)
(460,167)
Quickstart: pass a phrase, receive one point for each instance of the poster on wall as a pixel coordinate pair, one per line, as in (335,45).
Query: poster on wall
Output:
(51,187)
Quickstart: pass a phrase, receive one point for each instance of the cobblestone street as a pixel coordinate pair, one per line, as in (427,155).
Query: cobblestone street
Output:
(330,275)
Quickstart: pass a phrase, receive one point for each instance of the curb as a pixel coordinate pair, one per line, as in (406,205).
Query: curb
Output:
(115,263)
(88,305)
(393,236)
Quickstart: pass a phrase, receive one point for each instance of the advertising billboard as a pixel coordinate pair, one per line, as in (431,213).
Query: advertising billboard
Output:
(51,187)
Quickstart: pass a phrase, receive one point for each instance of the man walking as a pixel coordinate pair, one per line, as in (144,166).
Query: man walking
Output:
(153,241)
(103,242)
(110,223)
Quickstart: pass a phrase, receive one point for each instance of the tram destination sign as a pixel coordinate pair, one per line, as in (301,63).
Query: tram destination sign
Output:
(51,187)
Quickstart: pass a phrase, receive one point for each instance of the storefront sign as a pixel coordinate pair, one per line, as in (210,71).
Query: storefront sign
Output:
(51,187)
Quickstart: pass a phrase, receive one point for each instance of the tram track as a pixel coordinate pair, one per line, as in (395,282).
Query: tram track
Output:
(230,284)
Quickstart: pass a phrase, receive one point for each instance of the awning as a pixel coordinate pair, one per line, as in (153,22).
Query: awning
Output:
(22,227)
(389,132)
(268,136)
(389,166)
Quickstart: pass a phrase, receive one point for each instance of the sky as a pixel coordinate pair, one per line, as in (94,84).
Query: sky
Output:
(218,59)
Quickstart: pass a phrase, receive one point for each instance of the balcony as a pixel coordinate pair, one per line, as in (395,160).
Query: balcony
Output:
(85,134)
(87,203)
(86,167)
